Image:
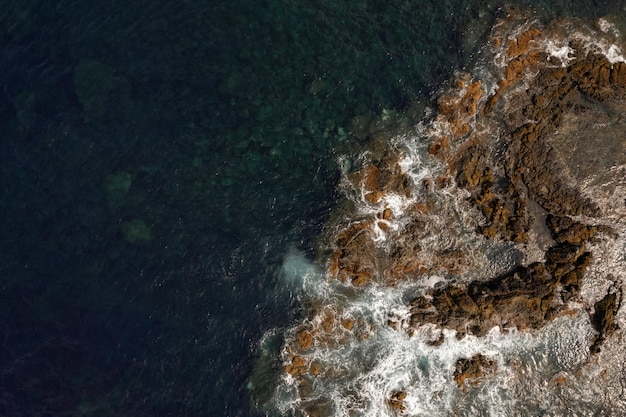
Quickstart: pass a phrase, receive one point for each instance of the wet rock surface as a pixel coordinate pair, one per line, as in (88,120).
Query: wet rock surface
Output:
(472,371)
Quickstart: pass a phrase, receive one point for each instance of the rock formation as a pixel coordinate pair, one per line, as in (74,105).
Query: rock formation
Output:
(471,371)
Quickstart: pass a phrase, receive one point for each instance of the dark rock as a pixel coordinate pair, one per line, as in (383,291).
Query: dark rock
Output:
(522,299)
(472,371)
(604,320)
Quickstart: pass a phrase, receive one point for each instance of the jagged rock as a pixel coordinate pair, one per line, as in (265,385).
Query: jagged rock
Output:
(382,178)
(604,319)
(520,57)
(522,298)
(354,258)
(566,230)
(503,205)
(472,371)
(526,297)
(458,108)
(305,340)
(296,365)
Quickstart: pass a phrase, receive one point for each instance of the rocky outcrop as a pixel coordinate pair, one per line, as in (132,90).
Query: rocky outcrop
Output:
(382,178)
(501,188)
(325,328)
(354,258)
(526,297)
(520,55)
(472,371)
(532,169)
(503,180)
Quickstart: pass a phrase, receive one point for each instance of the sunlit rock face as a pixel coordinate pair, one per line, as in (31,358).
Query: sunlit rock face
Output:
(478,261)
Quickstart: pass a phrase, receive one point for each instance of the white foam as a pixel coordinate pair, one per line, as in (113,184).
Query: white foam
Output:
(614,54)
(397,203)
(417,163)
(608,27)
(300,274)
(595,44)
(390,360)
(561,51)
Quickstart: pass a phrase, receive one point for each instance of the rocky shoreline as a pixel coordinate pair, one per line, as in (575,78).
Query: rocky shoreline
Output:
(498,148)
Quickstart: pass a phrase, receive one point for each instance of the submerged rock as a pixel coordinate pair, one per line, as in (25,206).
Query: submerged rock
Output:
(136,231)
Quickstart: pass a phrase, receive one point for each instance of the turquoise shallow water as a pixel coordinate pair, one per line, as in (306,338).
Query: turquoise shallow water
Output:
(159,159)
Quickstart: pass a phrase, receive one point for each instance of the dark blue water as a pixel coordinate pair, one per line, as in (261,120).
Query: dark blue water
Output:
(158,159)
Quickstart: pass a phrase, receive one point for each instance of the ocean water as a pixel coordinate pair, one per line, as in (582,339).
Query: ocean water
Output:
(167,170)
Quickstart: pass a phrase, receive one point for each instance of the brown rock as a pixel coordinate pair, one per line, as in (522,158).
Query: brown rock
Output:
(521,45)
(515,182)
(354,257)
(315,368)
(472,371)
(458,108)
(396,401)
(565,230)
(347,323)
(499,199)
(521,298)
(514,70)
(502,187)
(305,340)
(382,177)
(296,365)
(328,321)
